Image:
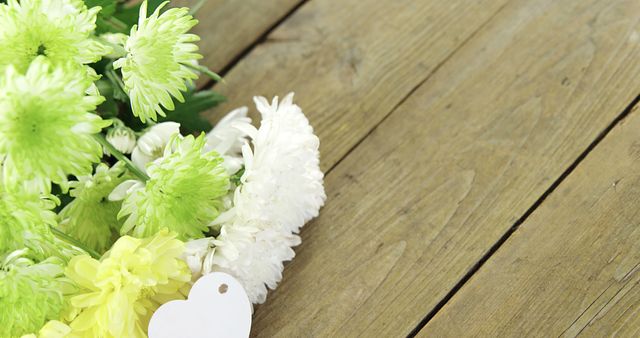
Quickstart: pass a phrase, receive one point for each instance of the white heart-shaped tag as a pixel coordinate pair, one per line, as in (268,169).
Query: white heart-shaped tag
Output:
(217,306)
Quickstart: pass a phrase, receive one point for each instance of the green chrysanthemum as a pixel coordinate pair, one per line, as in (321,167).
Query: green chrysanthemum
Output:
(25,220)
(184,192)
(46,126)
(154,68)
(91,217)
(31,293)
(60,30)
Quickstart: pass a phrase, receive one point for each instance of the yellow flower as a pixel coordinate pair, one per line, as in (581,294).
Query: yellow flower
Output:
(53,329)
(120,292)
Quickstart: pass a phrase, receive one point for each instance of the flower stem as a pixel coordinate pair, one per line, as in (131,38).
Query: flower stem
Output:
(204,70)
(75,242)
(117,24)
(118,155)
(113,76)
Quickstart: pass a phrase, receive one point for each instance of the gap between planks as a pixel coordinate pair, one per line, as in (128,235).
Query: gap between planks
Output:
(416,87)
(505,237)
(261,39)
(517,223)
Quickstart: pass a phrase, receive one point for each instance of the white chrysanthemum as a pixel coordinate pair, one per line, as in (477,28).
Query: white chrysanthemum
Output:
(282,181)
(282,188)
(154,68)
(150,146)
(197,254)
(228,136)
(254,253)
(60,30)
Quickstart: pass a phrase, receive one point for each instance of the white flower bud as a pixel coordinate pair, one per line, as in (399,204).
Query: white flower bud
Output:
(122,138)
(152,143)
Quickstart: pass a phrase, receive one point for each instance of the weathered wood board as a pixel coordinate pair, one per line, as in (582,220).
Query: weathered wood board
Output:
(351,62)
(228,27)
(572,267)
(436,184)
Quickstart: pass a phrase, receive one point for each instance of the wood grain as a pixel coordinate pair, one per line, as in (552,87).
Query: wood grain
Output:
(228,27)
(572,267)
(352,61)
(434,186)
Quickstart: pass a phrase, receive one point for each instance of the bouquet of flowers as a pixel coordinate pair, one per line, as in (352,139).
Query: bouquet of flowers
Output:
(115,195)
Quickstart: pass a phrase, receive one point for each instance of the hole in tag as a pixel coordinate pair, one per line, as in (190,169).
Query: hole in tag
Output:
(223,288)
(216,300)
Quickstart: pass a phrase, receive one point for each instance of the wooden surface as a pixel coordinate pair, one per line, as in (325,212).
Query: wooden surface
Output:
(445,125)
(572,266)
(350,71)
(229,27)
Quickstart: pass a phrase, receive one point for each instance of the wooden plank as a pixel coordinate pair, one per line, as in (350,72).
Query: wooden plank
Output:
(228,27)
(420,200)
(617,315)
(572,267)
(352,61)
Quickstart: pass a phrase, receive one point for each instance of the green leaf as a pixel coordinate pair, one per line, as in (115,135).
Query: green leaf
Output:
(111,25)
(129,14)
(116,83)
(64,197)
(105,23)
(109,108)
(235,178)
(108,6)
(188,113)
